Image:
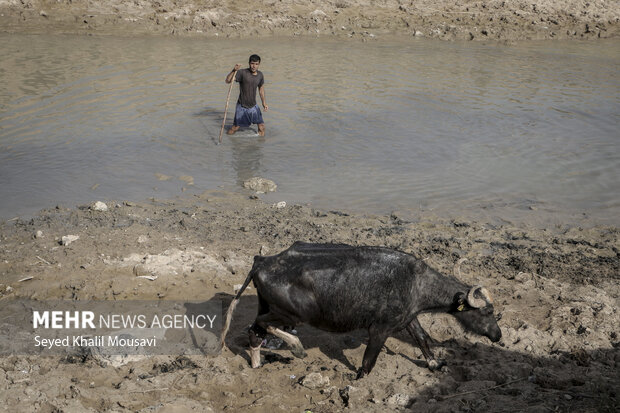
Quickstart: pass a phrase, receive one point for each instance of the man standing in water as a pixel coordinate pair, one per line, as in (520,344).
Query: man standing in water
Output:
(247,111)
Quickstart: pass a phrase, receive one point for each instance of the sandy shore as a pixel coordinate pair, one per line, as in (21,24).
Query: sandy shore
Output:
(556,289)
(466,20)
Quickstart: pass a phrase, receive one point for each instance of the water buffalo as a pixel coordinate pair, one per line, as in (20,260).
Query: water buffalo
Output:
(339,288)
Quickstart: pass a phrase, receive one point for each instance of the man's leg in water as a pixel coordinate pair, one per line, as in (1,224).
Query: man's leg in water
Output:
(261,129)
(234,128)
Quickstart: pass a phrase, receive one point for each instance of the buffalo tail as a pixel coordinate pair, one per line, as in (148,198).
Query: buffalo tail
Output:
(232,307)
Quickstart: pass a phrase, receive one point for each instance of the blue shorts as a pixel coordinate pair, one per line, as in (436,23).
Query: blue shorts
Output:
(244,117)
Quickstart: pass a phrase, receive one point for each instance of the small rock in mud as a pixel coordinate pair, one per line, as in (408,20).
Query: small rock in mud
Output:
(400,400)
(99,206)
(68,239)
(351,395)
(315,381)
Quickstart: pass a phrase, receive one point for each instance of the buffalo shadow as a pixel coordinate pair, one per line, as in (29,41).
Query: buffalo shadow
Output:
(478,376)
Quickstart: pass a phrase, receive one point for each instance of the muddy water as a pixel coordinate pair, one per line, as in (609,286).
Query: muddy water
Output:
(408,125)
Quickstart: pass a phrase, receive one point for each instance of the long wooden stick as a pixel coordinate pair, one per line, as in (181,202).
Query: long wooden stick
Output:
(226,109)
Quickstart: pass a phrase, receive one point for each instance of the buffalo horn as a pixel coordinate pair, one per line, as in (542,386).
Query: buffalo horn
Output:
(477,302)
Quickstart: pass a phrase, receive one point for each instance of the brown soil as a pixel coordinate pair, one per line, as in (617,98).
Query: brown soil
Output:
(467,19)
(556,289)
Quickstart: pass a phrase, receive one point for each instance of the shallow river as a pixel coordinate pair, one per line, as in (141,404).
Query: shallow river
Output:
(460,128)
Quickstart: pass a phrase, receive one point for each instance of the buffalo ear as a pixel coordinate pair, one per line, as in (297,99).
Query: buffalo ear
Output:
(459,302)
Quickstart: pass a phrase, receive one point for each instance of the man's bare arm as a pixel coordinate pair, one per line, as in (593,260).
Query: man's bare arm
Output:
(229,76)
(261,92)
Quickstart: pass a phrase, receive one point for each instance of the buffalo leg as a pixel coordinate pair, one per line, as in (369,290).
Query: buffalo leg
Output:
(421,337)
(376,340)
(256,335)
(264,321)
(293,341)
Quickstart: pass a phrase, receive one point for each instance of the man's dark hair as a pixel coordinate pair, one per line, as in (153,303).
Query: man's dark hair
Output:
(254,58)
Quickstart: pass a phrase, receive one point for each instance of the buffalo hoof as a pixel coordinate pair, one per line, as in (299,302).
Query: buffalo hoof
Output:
(300,353)
(255,357)
(436,364)
(361,373)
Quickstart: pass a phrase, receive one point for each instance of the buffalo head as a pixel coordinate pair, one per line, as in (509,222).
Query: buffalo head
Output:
(474,310)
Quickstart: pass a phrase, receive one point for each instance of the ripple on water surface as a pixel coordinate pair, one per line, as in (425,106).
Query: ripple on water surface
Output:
(375,127)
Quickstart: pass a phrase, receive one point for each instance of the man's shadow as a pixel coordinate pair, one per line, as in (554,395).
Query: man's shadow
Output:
(211,119)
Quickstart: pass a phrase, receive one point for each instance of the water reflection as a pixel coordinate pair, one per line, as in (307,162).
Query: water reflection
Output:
(246,147)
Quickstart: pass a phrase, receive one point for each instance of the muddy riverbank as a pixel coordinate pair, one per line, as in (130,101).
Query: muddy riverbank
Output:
(556,289)
(465,20)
